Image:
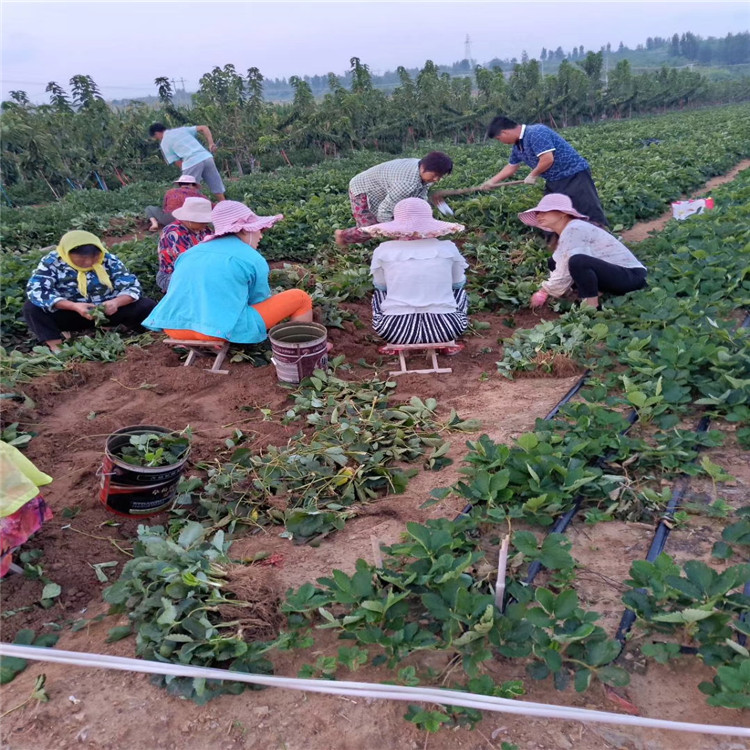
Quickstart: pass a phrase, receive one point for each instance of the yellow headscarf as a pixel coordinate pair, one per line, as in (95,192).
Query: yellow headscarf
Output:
(71,241)
(19,480)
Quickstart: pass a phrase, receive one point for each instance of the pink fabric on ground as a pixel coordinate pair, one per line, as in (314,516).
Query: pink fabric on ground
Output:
(18,527)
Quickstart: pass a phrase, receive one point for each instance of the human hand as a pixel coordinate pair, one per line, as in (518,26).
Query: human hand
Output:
(538,298)
(212,147)
(487,185)
(84,309)
(110,307)
(531,179)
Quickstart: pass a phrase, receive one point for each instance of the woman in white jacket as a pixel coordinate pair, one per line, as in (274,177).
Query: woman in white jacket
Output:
(419,295)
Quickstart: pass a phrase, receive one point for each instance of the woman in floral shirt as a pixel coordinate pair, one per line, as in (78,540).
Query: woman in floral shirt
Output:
(189,228)
(75,278)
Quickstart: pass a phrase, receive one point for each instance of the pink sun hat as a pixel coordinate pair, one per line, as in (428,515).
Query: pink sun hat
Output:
(230,217)
(551,202)
(412,219)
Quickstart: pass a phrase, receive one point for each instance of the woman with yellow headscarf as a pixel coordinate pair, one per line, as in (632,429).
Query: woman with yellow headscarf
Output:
(72,280)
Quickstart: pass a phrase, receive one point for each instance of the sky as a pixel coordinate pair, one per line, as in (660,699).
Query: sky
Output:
(125,45)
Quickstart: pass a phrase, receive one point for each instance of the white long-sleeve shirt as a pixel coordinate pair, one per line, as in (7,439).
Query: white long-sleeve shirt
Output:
(418,275)
(582,238)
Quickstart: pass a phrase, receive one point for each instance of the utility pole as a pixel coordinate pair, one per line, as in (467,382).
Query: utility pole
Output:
(467,51)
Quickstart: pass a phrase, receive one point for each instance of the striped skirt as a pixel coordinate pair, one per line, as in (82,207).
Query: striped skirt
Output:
(420,328)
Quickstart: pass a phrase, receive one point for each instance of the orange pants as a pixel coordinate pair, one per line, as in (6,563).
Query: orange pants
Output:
(292,302)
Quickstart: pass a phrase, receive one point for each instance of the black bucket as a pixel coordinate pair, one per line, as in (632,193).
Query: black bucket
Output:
(131,490)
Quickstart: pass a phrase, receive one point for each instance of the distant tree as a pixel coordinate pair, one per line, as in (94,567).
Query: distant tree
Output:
(674,49)
(164,89)
(58,97)
(543,55)
(86,93)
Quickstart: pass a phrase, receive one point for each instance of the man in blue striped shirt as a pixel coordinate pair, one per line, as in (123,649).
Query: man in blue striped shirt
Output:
(550,156)
(180,145)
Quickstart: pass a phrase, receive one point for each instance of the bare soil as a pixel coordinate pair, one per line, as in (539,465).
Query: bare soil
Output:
(76,410)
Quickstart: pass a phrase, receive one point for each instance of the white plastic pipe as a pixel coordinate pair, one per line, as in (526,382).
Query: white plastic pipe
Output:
(364,690)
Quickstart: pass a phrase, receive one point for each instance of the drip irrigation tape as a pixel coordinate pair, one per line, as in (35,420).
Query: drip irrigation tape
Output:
(659,540)
(364,690)
(564,521)
(564,400)
(572,392)
(741,637)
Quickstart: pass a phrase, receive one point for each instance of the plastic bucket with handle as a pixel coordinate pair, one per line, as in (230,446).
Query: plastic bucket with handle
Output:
(132,490)
(298,349)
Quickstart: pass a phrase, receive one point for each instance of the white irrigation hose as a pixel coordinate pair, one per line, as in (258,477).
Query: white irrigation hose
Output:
(363,690)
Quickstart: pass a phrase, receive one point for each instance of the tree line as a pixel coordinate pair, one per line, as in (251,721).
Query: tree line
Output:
(78,140)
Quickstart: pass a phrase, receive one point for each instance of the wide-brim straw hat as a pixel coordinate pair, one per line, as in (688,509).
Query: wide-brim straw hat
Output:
(412,219)
(194,209)
(551,202)
(231,217)
(186,179)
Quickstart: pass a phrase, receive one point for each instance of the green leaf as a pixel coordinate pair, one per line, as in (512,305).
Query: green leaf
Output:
(192,533)
(565,604)
(51,591)
(721,551)
(118,633)
(528,441)
(612,675)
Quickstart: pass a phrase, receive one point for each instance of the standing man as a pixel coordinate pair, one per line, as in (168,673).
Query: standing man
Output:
(180,145)
(374,192)
(550,156)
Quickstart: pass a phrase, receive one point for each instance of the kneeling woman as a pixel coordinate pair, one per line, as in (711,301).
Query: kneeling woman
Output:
(586,255)
(219,290)
(75,278)
(419,295)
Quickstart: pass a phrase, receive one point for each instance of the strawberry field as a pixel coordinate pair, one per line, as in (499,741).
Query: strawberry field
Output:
(351,528)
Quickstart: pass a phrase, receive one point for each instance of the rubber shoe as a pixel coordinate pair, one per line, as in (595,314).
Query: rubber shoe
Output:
(450,351)
(387,350)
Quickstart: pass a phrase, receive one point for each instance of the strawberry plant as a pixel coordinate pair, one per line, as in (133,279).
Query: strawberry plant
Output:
(173,593)
(151,449)
(695,606)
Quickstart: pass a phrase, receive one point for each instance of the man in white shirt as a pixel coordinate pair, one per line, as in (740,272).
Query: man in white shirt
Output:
(180,146)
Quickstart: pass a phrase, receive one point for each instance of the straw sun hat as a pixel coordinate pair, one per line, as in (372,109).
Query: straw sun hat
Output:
(412,219)
(231,217)
(551,202)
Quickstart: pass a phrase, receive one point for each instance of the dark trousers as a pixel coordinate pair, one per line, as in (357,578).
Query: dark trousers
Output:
(592,276)
(48,326)
(581,190)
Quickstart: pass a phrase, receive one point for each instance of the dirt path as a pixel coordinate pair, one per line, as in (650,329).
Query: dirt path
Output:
(642,230)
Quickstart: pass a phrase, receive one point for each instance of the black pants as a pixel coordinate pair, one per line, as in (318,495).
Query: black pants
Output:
(47,326)
(581,190)
(592,276)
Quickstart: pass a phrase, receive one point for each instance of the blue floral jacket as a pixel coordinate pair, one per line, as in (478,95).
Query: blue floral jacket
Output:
(53,280)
